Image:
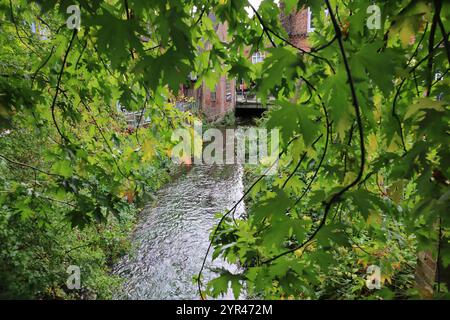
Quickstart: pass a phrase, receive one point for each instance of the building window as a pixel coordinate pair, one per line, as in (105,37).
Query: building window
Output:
(41,31)
(311,26)
(310,21)
(438,76)
(228,95)
(257,57)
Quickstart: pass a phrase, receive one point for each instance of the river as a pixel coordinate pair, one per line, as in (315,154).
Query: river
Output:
(172,234)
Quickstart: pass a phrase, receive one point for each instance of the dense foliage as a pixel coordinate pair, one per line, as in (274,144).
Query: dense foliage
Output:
(364,123)
(365,127)
(73,174)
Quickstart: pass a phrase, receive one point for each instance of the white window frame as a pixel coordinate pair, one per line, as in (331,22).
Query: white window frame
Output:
(310,17)
(228,94)
(258,57)
(39,30)
(310,28)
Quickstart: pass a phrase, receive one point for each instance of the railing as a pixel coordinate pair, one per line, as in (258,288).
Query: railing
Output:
(246,97)
(187,106)
(133,119)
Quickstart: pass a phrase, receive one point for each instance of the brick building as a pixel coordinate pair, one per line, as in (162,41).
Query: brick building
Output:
(297,25)
(217,103)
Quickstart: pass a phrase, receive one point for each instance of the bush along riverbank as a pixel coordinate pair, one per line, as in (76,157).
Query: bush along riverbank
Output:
(347,278)
(67,212)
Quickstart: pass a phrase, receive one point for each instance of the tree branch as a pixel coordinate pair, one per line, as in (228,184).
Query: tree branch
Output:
(24,165)
(55,97)
(437,10)
(356,106)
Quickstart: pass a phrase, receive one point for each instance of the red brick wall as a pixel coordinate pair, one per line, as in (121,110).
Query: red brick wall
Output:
(216,109)
(296,26)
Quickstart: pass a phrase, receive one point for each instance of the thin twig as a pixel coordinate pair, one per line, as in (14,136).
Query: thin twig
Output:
(437,10)
(199,281)
(55,97)
(24,165)
(356,106)
(268,30)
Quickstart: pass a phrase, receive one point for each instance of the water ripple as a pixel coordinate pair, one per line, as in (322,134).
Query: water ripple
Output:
(172,235)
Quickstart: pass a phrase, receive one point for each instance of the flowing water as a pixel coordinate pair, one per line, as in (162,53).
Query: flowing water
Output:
(172,236)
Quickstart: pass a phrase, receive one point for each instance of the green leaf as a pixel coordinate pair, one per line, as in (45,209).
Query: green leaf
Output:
(63,168)
(337,93)
(379,65)
(423,104)
(276,205)
(291,119)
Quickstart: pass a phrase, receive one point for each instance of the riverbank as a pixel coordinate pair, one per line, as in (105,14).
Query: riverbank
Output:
(173,232)
(56,246)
